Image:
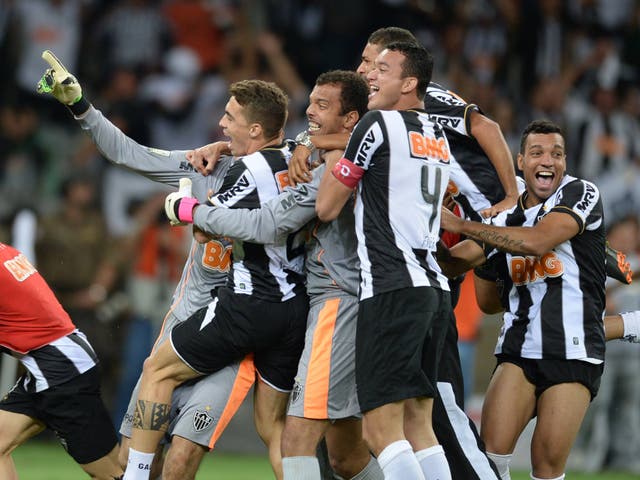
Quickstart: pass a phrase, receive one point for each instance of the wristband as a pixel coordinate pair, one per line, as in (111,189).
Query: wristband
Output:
(185,209)
(79,107)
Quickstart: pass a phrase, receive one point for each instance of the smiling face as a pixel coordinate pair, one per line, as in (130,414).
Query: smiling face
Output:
(386,81)
(235,126)
(325,110)
(543,164)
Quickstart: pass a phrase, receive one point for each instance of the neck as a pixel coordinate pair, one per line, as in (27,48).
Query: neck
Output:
(260,143)
(409,104)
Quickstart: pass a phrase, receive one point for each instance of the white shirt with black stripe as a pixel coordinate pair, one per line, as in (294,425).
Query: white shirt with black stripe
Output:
(271,272)
(57,363)
(474,175)
(556,301)
(399,199)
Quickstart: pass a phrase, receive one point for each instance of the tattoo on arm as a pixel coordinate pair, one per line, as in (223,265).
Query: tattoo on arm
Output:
(501,241)
(151,416)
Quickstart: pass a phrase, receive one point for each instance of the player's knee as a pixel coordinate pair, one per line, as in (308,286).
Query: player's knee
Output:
(551,466)
(348,464)
(268,426)
(297,442)
(373,437)
(6,447)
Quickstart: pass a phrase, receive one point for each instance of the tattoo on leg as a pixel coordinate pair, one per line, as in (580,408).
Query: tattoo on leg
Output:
(151,416)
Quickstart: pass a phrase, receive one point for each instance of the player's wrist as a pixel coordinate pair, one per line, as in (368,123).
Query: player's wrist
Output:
(185,209)
(304,139)
(79,106)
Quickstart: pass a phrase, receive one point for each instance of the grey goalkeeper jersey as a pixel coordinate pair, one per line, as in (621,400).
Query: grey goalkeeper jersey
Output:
(208,264)
(331,262)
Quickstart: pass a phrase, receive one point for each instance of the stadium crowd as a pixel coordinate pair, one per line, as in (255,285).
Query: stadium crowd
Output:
(160,71)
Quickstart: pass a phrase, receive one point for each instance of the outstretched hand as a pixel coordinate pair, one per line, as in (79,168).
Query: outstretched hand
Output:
(58,82)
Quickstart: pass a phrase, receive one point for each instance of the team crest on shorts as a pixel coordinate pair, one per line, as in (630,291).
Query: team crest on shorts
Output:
(201,420)
(296,393)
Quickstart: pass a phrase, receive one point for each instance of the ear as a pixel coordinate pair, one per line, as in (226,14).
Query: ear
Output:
(255,130)
(409,84)
(350,120)
(520,161)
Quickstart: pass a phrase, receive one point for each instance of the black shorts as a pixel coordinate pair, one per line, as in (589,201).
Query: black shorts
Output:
(234,325)
(74,410)
(456,432)
(545,373)
(398,344)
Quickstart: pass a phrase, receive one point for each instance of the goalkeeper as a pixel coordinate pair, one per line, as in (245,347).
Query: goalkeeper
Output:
(199,406)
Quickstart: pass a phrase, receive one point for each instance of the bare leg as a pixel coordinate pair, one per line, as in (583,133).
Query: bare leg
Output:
(105,468)
(162,372)
(561,410)
(183,459)
(16,429)
(270,407)
(348,453)
(509,405)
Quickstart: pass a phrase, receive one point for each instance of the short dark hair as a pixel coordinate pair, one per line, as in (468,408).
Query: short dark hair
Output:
(539,126)
(418,62)
(264,103)
(386,35)
(354,91)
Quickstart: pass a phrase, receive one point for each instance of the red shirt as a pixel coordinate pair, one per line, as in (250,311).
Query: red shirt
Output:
(30,314)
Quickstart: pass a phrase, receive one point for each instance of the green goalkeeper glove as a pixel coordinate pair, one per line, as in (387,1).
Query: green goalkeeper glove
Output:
(58,82)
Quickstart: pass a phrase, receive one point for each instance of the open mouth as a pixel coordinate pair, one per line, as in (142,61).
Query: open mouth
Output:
(545,179)
(313,127)
(373,89)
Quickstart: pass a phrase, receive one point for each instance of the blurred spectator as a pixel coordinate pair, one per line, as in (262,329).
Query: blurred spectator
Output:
(610,436)
(608,141)
(200,26)
(544,46)
(468,317)
(184,106)
(449,63)
(485,43)
(76,256)
(503,113)
(24,158)
(39,25)
(133,34)
(157,252)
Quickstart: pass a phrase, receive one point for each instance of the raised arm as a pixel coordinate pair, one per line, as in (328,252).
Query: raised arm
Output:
(490,138)
(158,165)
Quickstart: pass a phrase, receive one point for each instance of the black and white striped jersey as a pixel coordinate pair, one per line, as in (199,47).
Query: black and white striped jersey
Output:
(471,170)
(271,272)
(56,363)
(556,301)
(405,157)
